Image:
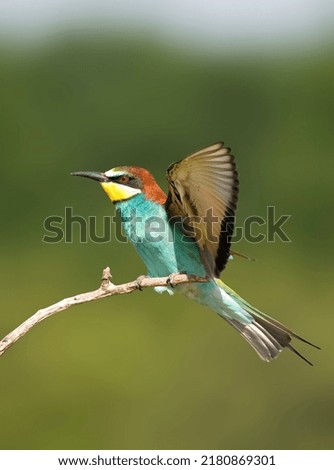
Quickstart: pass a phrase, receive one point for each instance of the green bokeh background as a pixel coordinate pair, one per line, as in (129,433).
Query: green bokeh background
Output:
(144,371)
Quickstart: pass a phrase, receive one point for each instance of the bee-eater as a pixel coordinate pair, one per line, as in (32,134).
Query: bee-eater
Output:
(189,231)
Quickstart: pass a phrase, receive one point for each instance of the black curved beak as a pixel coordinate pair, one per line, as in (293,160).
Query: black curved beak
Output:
(93,175)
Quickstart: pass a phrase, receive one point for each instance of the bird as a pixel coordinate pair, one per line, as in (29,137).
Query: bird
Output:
(189,230)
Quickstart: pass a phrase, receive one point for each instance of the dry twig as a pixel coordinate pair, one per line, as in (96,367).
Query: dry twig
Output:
(106,289)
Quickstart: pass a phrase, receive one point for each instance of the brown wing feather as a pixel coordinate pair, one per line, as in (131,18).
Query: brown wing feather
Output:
(201,186)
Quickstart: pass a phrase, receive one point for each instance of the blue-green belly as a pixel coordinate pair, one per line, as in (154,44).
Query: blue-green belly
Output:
(165,250)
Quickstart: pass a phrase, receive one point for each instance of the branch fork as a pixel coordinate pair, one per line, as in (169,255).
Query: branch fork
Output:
(106,289)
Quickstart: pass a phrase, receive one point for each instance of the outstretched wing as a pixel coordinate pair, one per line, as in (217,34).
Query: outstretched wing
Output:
(203,192)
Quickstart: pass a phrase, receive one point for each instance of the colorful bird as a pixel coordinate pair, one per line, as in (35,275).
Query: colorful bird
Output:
(189,231)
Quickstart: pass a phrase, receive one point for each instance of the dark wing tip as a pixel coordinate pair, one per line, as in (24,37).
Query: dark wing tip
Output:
(241,255)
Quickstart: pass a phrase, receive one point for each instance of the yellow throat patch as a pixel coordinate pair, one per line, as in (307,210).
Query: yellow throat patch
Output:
(119,192)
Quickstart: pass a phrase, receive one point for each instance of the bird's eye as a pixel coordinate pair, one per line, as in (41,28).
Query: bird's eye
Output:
(123,179)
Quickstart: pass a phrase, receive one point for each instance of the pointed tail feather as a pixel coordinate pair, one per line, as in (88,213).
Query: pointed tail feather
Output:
(265,334)
(267,338)
(289,346)
(266,345)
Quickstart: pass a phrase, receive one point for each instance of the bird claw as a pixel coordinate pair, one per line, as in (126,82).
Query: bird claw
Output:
(139,281)
(171,278)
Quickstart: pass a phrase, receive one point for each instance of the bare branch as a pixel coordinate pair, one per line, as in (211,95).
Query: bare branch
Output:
(106,289)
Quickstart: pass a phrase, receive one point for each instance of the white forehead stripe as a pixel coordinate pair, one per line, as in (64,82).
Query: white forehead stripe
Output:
(112,172)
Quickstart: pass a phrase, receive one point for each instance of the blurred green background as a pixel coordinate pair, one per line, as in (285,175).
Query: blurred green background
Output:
(144,371)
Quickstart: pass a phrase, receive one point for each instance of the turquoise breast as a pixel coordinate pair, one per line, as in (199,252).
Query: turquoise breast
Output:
(162,246)
(165,250)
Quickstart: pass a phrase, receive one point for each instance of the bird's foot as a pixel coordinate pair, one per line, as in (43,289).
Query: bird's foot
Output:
(139,281)
(171,279)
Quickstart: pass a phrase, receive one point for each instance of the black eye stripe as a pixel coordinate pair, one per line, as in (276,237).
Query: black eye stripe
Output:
(133,181)
(118,177)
